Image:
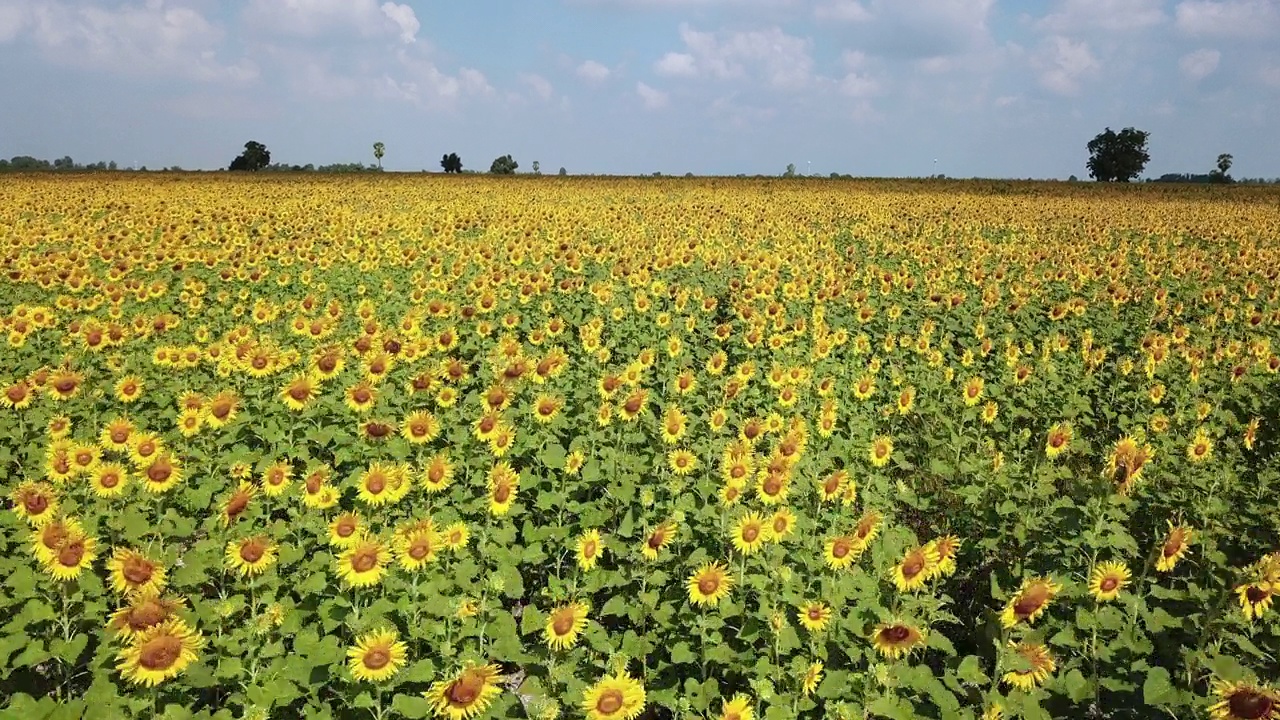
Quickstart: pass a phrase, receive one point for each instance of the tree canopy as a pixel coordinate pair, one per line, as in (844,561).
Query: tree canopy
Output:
(1118,156)
(505,165)
(255,157)
(451,163)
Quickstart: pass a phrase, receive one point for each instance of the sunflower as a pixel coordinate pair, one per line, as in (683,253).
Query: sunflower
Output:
(50,536)
(487,426)
(831,487)
(682,462)
(880,451)
(1107,580)
(159,653)
(315,487)
(417,548)
(1255,598)
(814,616)
(917,567)
(503,485)
(1058,439)
(749,533)
(658,538)
(1175,547)
(59,427)
(346,530)
(709,584)
(64,383)
(144,610)
(774,483)
(1034,664)
(781,525)
(546,408)
(439,473)
(133,572)
(867,529)
(18,396)
(947,546)
(1126,462)
(896,639)
(276,479)
(1244,701)
(363,563)
(589,548)
(1030,601)
(162,474)
(58,465)
(190,421)
(379,484)
(740,707)
(614,697)
(564,625)
(116,435)
(376,656)
(299,391)
(470,692)
(361,396)
(420,427)
(973,390)
(251,556)
(842,551)
(222,409)
(674,425)
(1200,448)
(812,677)
(108,480)
(455,536)
(35,502)
(76,552)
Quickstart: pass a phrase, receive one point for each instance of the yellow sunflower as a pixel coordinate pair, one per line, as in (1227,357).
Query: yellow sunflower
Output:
(162,474)
(439,473)
(1175,547)
(420,427)
(300,391)
(1058,441)
(1033,664)
(159,653)
(614,697)
(658,538)
(740,707)
(896,639)
(812,678)
(682,462)
(781,525)
(709,584)
(35,502)
(376,656)
(589,548)
(503,484)
(251,556)
(749,533)
(76,552)
(880,451)
(455,536)
(1255,598)
(144,611)
(917,567)
(814,616)
(1200,448)
(363,563)
(1107,580)
(564,625)
(133,572)
(1244,701)
(468,693)
(1030,601)
(417,548)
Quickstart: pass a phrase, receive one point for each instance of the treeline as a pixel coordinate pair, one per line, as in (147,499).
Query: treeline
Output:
(26,163)
(334,168)
(1211,179)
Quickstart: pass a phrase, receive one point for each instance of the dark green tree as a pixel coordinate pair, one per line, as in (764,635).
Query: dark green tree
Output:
(1118,156)
(505,165)
(563,172)
(451,163)
(379,149)
(1224,164)
(254,158)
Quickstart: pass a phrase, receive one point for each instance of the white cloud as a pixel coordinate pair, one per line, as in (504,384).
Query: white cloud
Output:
(842,11)
(857,83)
(1112,15)
(1062,64)
(651,97)
(151,39)
(779,59)
(592,71)
(538,84)
(1229,18)
(316,18)
(1200,64)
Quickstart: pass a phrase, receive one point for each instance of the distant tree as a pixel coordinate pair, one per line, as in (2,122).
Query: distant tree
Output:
(563,172)
(378,151)
(112,166)
(254,158)
(537,168)
(1219,175)
(1118,157)
(791,171)
(688,174)
(505,165)
(451,163)
(1073,178)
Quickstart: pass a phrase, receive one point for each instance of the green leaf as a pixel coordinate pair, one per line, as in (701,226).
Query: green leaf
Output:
(411,706)
(1158,688)
(682,654)
(970,671)
(892,707)
(1076,685)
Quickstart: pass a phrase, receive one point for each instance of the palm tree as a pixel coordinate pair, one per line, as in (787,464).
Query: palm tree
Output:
(378,151)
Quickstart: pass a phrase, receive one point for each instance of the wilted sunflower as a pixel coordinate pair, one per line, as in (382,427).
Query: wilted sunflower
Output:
(896,639)
(1175,547)
(376,656)
(133,572)
(1035,662)
(35,502)
(614,697)
(468,693)
(1107,580)
(918,566)
(1244,701)
(589,548)
(159,653)
(1030,601)
(363,563)
(564,625)
(709,584)
(144,611)
(749,533)
(814,616)
(251,556)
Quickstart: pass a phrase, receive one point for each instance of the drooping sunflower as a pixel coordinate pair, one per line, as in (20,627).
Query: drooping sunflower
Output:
(739,707)
(377,656)
(1255,598)
(468,693)
(76,552)
(1030,601)
(896,639)
(1107,580)
(35,502)
(159,653)
(815,616)
(658,538)
(363,563)
(1244,701)
(709,584)
(880,451)
(614,697)
(251,556)
(749,533)
(108,480)
(947,546)
(1034,665)
(564,625)
(1175,546)
(812,677)
(589,547)
(133,572)
(918,565)
(143,611)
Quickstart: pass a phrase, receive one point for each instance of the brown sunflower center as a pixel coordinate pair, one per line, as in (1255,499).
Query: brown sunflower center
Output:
(487,423)
(708,584)
(159,471)
(65,385)
(237,504)
(895,633)
(160,653)
(53,535)
(137,570)
(465,690)
(1249,704)
(501,493)
(610,702)
(314,481)
(589,549)
(70,554)
(912,566)
(299,391)
(361,395)
(750,533)
(149,613)
(1030,601)
(364,559)
(377,658)
(16,393)
(632,405)
(1255,594)
(419,548)
(779,525)
(327,363)
(345,527)
(656,539)
(815,613)
(35,503)
(220,409)
(840,548)
(1109,583)
(1173,545)
(119,435)
(562,623)
(831,485)
(378,430)
(109,480)
(253,550)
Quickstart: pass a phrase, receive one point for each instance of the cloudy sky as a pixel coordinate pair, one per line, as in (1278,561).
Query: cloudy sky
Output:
(996,88)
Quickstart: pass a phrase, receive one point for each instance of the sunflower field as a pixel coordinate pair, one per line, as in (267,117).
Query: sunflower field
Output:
(424,447)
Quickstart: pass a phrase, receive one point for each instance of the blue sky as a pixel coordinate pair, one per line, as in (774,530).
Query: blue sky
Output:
(993,88)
